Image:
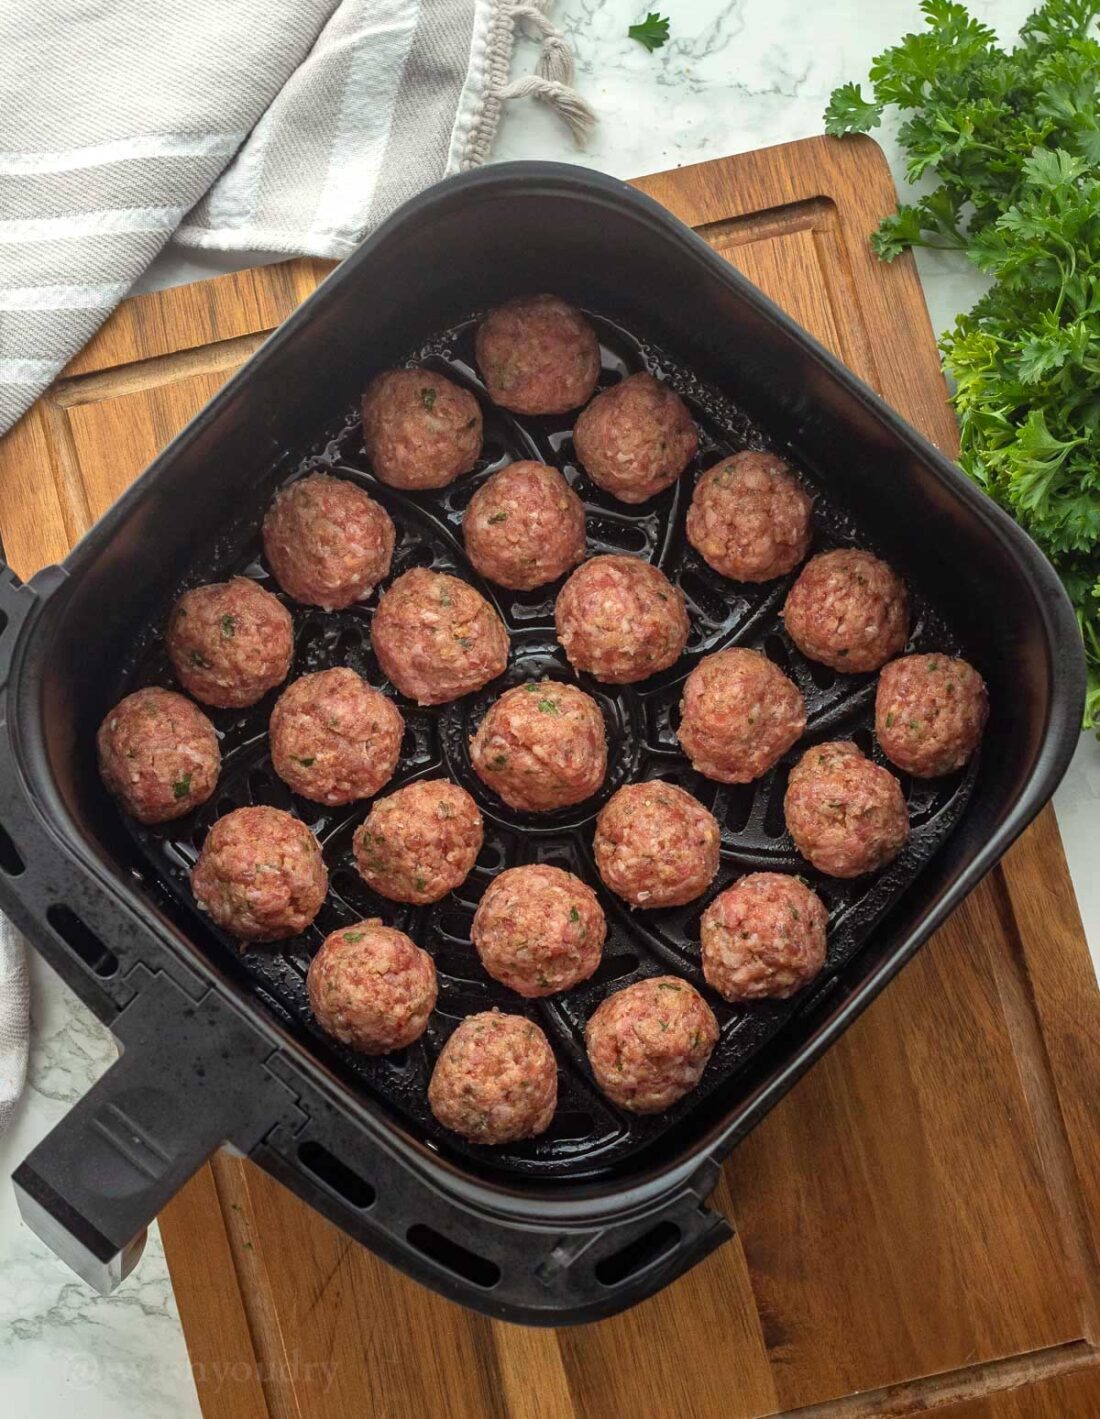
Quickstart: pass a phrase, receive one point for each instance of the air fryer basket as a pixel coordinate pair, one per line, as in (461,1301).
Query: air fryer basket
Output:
(605,1208)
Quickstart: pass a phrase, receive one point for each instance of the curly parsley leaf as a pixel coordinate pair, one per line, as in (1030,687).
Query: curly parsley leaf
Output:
(652,31)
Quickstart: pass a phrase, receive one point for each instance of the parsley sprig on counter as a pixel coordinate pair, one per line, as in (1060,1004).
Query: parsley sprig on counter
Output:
(1013,141)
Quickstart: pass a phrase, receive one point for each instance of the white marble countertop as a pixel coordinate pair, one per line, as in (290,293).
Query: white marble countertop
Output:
(736,74)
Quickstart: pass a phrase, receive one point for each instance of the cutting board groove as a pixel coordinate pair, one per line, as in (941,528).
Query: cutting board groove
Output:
(917,1222)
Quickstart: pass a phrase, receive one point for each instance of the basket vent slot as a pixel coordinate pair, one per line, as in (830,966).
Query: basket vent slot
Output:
(643,1251)
(336,1175)
(478,1270)
(10,861)
(82,940)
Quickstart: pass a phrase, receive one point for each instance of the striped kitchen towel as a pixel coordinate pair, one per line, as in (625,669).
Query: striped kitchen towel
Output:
(270,125)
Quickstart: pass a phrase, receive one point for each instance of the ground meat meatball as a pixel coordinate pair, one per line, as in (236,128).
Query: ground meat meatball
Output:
(848,610)
(538,355)
(930,712)
(847,815)
(158,755)
(750,518)
(419,843)
(541,746)
(420,429)
(655,845)
(437,638)
(649,1043)
(260,875)
(739,715)
(621,619)
(327,542)
(371,988)
(764,936)
(524,527)
(636,438)
(230,642)
(333,738)
(496,1079)
(539,930)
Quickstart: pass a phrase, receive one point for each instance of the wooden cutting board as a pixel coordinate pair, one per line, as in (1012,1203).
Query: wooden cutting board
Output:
(918,1222)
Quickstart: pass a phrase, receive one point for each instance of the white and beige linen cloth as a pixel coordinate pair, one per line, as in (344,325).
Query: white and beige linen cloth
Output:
(289,126)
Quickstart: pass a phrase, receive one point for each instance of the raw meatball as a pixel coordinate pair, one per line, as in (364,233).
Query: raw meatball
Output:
(930,712)
(750,518)
(739,715)
(621,619)
(420,429)
(655,845)
(419,843)
(437,638)
(846,814)
(538,355)
(496,1079)
(158,755)
(371,988)
(230,642)
(260,875)
(333,738)
(848,610)
(765,936)
(635,438)
(524,527)
(539,930)
(649,1043)
(327,542)
(541,746)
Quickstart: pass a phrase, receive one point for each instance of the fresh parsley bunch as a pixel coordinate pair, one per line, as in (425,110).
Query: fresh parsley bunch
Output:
(1014,142)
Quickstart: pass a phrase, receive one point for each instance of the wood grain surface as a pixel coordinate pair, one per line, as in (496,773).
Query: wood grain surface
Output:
(918,1222)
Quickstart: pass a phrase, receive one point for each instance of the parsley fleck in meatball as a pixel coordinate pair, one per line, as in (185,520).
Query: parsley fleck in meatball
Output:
(538,355)
(541,746)
(333,738)
(420,429)
(230,642)
(524,526)
(539,930)
(763,937)
(655,845)
(496,1080)
(327,542)
(621,619)
(739,715)
(371,988)
(419,843)
(649,1043)
(260,875)
(636,438)
(930,713)
(750,518)
(847,815)
(848,610)
(437,638)
(158,755)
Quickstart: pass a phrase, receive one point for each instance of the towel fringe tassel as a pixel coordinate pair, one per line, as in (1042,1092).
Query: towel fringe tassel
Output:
(552,81)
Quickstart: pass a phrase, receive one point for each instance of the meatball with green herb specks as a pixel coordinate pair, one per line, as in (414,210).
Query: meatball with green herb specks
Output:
(419,843)
(158,755)
(764,937)
(327,541)
(846,814)
(930,713)
(524,526)
(739,714)
(538,355)
(750,518)
(436,638)
(420,429)
(539,929)
(621,619)
(655,845)
(334,738)
(371,987)
(496,1079)
(230,642)
(849,610)
(636,438)
(260,875)
(541,746)
(649,1043)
